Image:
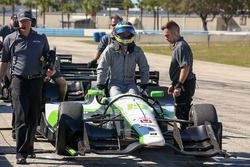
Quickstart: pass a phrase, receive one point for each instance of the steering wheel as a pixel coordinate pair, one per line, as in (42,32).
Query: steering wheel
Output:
(101,100)
(130,95)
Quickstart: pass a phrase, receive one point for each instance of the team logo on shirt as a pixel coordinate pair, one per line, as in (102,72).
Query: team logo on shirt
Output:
(36,41)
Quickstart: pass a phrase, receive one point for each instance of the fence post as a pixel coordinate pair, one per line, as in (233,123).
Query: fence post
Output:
(248,39)
(208,40)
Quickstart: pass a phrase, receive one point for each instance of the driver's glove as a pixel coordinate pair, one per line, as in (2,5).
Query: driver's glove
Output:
(1,45)
(143,86)
(92,63)
(100,86)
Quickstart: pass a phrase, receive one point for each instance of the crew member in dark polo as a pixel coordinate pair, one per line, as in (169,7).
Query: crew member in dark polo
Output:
(180,71)
(8,29)
(4,31)
(24,49)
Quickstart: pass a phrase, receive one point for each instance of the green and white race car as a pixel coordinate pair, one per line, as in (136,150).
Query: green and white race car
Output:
(122,124)
(128,122)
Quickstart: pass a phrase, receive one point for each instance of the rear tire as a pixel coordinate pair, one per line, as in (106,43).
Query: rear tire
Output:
(69,113)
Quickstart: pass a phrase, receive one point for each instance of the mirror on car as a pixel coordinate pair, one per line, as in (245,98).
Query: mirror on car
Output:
(155,94)
(95,92)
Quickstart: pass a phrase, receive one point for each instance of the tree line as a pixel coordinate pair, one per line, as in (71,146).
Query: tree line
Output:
(207,10)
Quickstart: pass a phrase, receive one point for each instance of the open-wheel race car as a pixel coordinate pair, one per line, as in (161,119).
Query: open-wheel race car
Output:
(128,122)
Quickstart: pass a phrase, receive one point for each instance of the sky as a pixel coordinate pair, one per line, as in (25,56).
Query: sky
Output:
(134,1)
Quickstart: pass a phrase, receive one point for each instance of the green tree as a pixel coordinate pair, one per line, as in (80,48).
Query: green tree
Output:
(44,5)
(68,8)
(205,9)
(246,8)
(112,3)
(172,6)
(126,5)
(57,5)
(31,5)
(91,7)
(152,6)
(11,3)
(229,8)
(141,5)
(2,3)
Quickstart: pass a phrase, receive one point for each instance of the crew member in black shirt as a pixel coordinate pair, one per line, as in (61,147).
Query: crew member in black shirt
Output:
(24,49)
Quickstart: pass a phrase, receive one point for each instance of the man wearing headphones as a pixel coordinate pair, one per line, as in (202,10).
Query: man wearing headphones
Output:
(24,50)
(8,29)
(121,58)
(4,31)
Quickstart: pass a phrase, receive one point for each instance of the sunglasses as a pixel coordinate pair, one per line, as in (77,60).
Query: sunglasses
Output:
(113,25)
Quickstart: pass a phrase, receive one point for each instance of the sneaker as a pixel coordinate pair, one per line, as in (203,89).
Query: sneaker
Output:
(32,155)
(21,160)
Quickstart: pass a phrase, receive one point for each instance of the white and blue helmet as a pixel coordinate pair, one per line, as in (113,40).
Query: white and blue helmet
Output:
(124,27)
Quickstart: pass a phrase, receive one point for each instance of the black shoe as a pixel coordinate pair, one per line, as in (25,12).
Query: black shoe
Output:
(13,135)
(32,155)
(21,160)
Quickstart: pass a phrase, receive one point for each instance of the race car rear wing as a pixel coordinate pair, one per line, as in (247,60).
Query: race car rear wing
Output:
(154,77)
(65,58)
(81,72)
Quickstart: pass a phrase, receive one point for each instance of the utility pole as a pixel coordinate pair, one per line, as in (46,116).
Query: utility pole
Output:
(3,15)
(157,17)
(13,6)
(109,12)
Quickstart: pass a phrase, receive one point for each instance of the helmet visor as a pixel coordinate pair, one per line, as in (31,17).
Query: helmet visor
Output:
(125,41)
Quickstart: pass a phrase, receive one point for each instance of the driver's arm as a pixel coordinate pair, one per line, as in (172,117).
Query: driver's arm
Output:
(103,66)
(143,67)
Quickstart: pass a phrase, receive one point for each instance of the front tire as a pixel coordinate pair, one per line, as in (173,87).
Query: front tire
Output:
(70,116)
(199,113)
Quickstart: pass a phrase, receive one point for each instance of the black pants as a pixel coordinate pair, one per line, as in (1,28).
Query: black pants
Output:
(26,100)
(183,102)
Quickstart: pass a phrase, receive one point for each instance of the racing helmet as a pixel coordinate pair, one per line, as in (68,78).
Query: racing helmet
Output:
(124,27)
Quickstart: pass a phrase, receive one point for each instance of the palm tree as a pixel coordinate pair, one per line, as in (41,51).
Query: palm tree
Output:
(44,4)
(11,3)
(68,8)
(141,4)
(31,4)
(152,5)
(91,7)
(2,3)
(126,5)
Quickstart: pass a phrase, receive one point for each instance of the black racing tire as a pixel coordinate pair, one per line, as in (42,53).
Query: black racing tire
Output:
(199,113)
(69,112)
(6,93)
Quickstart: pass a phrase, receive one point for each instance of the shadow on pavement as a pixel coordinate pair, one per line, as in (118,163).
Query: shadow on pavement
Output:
(89,161)
(235,137)
(7,150)
(175,159)
(5,107)
(4,162)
